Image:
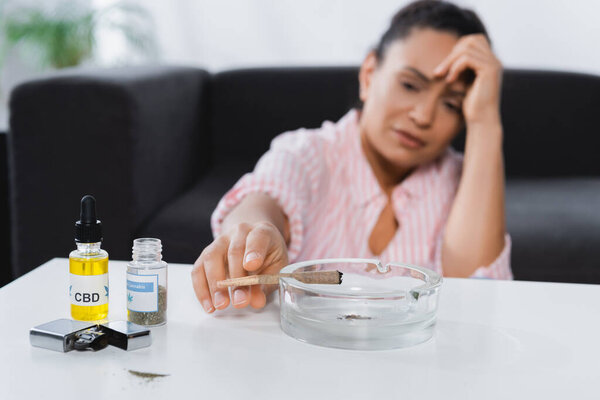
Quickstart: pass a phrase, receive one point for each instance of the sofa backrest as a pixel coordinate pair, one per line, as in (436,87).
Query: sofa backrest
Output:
(548,117)
(250,107)
(550,123)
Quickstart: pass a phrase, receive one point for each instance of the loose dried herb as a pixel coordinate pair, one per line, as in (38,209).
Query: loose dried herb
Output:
(353,317)
(152,318)
(148,376)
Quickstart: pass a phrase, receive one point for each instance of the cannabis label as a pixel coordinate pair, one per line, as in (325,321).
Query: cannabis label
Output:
(88,290)
(142,292)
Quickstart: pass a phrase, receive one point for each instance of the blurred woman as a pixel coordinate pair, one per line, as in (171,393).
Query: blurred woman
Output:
(382,182)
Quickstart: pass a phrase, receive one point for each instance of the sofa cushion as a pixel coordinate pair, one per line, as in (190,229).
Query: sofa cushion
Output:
(250,107)
(550,124)
(555,229)
(184,224)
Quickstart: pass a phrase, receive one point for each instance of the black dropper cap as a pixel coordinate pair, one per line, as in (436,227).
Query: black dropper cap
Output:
(88,229)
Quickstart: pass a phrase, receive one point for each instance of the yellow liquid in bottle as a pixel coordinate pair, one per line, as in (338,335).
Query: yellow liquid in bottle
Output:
(89,266)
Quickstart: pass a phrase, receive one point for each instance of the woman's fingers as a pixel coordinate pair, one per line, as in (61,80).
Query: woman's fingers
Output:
(257,246)
(214,265)
(476,45)
(235,256)
(462,63)
(201,286)
(456,52)
(258,299)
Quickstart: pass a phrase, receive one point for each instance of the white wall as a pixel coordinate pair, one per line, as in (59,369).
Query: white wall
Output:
(16,68)
(222,34)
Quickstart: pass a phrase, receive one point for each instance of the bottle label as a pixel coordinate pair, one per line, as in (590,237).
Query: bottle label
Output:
(142,293)
(89,290)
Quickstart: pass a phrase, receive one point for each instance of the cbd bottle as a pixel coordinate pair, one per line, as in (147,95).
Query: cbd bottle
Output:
(88,267)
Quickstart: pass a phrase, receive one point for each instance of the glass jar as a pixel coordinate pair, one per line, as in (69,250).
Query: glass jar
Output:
(147,284)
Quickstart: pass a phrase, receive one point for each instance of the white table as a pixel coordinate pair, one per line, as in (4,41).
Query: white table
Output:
(494,340)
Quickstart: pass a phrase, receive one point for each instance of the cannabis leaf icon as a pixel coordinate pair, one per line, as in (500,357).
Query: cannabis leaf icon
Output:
(129,297)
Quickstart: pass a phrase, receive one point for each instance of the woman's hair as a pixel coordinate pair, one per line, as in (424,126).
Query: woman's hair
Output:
(438,15)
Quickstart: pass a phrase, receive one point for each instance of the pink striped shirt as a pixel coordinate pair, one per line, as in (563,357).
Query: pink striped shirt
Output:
(323,182)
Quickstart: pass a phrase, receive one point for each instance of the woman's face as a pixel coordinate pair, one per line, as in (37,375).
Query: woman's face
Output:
(408,117)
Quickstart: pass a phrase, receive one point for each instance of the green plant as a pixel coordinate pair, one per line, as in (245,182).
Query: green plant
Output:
(68,36)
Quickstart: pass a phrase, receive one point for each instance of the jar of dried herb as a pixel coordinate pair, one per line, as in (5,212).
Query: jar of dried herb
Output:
(147,284)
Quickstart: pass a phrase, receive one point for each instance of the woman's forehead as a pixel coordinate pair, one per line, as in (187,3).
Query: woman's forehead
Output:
(423,49)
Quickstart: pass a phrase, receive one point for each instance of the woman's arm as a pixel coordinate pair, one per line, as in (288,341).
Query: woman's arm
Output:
(258,224)
(474,234)
(475,230)
(256,208)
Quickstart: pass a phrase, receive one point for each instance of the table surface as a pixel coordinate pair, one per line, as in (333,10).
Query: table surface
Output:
(493,339)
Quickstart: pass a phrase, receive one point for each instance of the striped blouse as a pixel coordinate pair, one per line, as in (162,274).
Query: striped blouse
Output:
(324,184)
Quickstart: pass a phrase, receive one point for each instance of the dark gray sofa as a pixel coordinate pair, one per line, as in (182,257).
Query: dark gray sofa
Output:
(158,146)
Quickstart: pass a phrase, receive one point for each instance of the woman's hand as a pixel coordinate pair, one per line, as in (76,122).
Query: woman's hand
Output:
(482,101)
(246,249)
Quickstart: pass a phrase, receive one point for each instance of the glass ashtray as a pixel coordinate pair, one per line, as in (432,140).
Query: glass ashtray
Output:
(376,307)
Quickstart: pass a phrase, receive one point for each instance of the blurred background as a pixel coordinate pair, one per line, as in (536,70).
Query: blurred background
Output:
(43,36)
(218,35)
